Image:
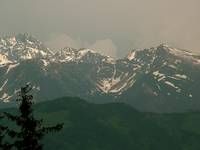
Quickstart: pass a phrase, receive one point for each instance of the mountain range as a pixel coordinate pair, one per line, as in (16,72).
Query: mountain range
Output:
(158,79)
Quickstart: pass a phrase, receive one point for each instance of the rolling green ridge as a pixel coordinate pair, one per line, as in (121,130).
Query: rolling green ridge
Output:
(116,126)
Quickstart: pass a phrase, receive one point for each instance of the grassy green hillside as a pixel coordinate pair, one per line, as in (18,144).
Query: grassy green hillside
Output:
(116,127)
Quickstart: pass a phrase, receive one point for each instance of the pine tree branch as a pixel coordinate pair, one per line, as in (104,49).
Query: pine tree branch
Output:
(51,129)
(11,117)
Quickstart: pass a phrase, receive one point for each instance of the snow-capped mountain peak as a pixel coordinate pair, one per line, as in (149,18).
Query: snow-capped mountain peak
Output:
(75,55)
(175,51)
(180,54)
(84,51)
(131,55)
(22,47)
(65,55)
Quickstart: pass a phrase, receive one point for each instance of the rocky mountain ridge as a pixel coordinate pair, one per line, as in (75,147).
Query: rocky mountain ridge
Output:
(155,79)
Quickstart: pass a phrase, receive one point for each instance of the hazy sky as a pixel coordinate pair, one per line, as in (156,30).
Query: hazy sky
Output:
(110,26)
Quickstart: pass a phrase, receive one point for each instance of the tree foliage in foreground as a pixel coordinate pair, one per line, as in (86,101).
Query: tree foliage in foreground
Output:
(31,129)
(3,130)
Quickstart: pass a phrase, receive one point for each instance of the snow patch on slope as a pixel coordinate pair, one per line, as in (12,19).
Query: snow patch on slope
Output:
(4,60)
(120,87)
(106,84)
(45,62)
(3,85)
(109,60)
(171,84)
(131,55)
(11,66)
(5,97)
(83,52)
(159,76)
(181,76)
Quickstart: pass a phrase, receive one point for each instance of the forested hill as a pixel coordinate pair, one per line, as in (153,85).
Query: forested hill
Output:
(116,126)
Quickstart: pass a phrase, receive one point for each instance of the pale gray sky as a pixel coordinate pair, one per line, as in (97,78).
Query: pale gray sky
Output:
(115,26)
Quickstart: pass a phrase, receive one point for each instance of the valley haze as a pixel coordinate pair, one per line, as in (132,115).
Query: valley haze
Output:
(110,26)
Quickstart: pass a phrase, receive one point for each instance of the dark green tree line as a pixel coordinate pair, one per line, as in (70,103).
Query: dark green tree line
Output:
(31,129)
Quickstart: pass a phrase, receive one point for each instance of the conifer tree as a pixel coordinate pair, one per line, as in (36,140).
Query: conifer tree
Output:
(1,133)
(31,129)
(3,130)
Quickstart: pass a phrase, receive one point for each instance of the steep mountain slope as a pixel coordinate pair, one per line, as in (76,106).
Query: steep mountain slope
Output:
(116,126)
(170,80)
(156,79)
